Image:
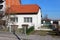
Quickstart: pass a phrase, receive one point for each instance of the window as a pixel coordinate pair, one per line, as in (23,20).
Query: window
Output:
(1,1)
(1,6)
(14,19)
(27,19)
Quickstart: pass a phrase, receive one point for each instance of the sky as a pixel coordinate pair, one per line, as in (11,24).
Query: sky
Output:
(48,7)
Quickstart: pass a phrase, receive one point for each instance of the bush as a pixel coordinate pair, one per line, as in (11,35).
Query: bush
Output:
(30,30)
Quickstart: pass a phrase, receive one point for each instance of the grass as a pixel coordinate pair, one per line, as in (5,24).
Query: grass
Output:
(19,30)
(53,33)
(4,30)
(39,32)
(43,33)
(7,30)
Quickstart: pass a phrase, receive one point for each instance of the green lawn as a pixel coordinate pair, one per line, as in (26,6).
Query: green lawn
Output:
(39,32)
(43,33)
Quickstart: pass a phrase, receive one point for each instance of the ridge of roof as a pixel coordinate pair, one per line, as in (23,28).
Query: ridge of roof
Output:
(31,4)
(27,5)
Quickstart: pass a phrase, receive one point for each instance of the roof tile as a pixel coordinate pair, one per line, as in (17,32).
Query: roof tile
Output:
(12,2)
(23,9)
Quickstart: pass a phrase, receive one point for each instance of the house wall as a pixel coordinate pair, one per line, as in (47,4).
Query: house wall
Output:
(59,23)
(51,22)
(36,20)
(38,27)
(21,20)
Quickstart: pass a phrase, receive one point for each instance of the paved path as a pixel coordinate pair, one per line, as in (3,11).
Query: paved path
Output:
(7,36)
(10,36)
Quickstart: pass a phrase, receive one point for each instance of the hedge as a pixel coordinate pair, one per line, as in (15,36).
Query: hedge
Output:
(30,30)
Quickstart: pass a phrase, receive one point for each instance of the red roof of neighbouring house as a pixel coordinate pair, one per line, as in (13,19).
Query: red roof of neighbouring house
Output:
(46,19)
(32,8)
(13,2)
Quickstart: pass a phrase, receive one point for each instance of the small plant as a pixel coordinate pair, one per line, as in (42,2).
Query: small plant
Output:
(30,30)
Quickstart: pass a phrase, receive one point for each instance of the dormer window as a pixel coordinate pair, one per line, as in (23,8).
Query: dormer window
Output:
(1,6)
(1,1)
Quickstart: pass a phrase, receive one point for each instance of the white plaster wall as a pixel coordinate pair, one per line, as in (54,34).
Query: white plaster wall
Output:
(43,22)
(21,20)
(59,23)
(51,22)
(38,27)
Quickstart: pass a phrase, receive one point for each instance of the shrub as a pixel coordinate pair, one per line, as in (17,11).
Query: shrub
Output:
(30,30)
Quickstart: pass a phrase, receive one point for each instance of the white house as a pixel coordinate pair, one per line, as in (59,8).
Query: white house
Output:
(19,14)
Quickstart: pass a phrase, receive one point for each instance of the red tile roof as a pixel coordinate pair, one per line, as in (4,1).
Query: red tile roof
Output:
(32,8)
(12,2)
(14,6)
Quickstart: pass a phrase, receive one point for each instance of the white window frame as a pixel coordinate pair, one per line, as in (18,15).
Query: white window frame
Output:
(15,19)
(28,19)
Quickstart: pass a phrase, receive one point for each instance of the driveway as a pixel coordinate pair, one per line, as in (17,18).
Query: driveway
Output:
(7,36)
(37,37)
